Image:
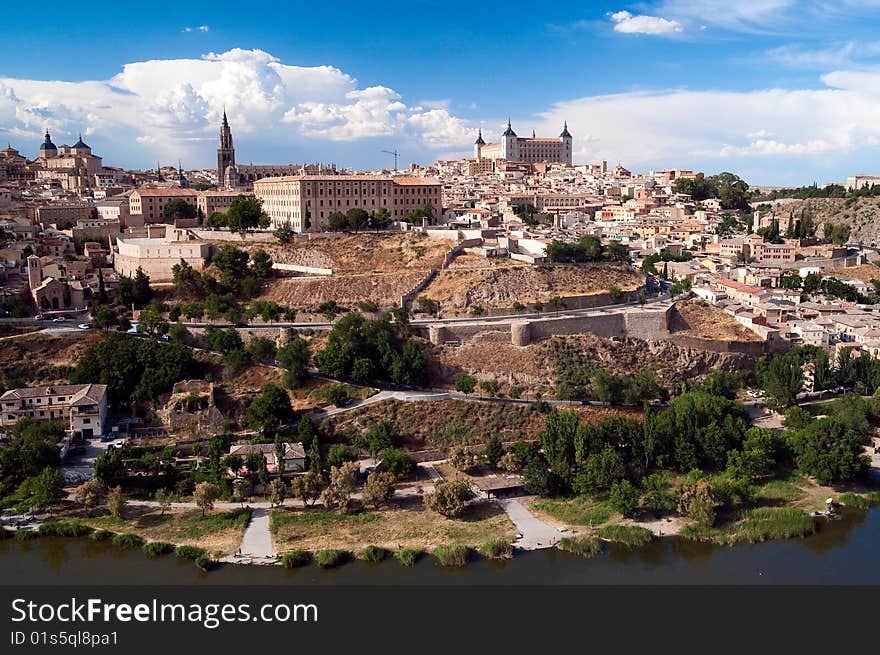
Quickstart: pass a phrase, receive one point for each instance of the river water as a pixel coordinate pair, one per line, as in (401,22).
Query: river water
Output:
(843,551)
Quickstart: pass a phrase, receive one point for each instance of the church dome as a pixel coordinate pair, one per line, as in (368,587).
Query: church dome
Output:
(47,144)
(80,144)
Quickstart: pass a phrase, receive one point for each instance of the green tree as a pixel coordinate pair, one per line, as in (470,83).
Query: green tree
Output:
(624,498)
(204,496)
(45,490)
(232,263)
(178,209)
(261,264)
(378,489)
(246,213)
(600,472)
(294,358)
(465,383)
(307,487)
(781,378)
(269,409)
(697,501)
(449,498)
(494,450)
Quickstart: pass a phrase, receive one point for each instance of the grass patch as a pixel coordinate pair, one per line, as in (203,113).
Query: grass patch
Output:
(855,501)
(631,535)
(199,526)
(759,524)
(409,556)
(452,555)
(64,529)
(330,557)
(190,552)
(295,558)
(127,540)
(702,532)
(317,517)
(26,535)
(102,535)
(583,546)
(158,548)
(776,491)
(407,524)
(579,510)
(373,554)
(497,548)
(765,523)
(204,562)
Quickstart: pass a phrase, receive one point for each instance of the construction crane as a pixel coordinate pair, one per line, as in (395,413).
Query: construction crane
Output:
(396,155)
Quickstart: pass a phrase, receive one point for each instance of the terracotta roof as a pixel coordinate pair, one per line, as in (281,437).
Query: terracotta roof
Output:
(182,193)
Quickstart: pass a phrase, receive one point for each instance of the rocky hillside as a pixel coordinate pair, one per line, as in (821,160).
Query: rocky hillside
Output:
(502,286)
(861,214)
(533,366)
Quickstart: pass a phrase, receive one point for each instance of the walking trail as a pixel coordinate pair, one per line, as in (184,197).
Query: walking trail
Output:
(256,545)
(534,533)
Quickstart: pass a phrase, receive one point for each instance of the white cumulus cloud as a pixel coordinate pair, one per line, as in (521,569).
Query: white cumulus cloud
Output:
(628,23)
(172,108)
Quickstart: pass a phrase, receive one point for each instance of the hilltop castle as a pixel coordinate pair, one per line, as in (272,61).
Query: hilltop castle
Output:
(526,150)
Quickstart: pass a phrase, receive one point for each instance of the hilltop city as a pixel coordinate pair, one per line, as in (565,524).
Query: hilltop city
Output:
(279,363)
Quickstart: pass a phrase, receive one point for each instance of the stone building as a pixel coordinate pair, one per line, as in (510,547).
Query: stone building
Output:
(526,150)
(304,202)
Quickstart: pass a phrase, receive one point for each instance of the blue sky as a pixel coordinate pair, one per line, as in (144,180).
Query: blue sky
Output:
(779,91)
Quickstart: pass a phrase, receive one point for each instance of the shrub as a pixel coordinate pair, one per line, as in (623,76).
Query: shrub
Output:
(203,562)
(373,554)
(127,540)
(26,535)
(102,535)
(158,548)
(631,535)
(190,552)
(497,548)
(583,546)
(855,501)
(331,557)
(624,498)
(452,555)
(449,497)
(409,556)
(295,558)
(64,529)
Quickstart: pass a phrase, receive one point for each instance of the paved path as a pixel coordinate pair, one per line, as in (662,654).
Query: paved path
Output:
(534,532)
(256,545)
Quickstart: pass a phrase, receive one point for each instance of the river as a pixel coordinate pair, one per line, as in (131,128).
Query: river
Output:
(843,551)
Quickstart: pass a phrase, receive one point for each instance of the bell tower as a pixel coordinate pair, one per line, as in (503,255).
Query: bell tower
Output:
(226,151)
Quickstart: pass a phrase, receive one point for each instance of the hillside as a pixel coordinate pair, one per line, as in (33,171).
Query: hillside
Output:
(360,253)
(533,366)
(861,214)
(501,286)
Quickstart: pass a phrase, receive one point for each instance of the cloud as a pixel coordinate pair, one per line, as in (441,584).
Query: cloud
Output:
(834,56)
(629,24)
(172,108)
(200,28)
(771,135)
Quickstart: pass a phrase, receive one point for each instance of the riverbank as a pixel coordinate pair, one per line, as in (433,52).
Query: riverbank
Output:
(842,551)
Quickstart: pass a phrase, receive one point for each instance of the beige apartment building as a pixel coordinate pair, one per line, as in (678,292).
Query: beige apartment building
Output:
(150,203)
(304,202)
(216,201)
(82,406)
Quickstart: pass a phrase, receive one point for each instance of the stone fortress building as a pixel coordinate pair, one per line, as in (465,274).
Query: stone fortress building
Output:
(526,150)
